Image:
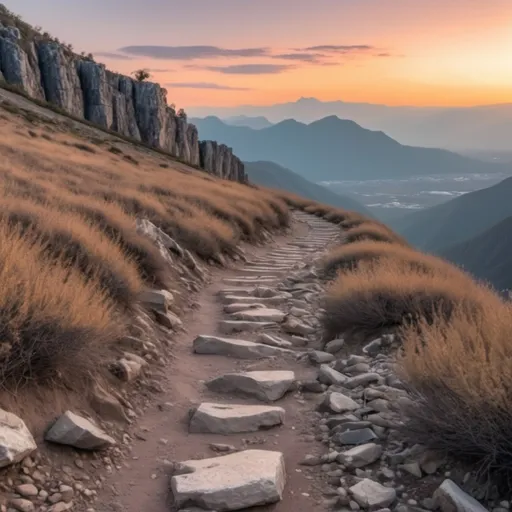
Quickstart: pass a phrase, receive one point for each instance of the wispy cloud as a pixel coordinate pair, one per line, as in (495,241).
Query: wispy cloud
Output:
(160,70)
(112,55)
(205,85)
(313,58)
(191,52)
(250,69)
(339,48)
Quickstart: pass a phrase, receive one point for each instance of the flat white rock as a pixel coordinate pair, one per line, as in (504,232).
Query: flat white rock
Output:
(260,315)
(265,385)
(232,482)
(16,441)
(451,497)
(232,418)
(371,494)
(241,349)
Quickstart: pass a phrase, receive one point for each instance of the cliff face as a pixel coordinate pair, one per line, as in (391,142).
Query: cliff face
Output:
(46,70)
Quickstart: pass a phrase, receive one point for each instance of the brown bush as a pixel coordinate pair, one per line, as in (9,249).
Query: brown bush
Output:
(53,322)
(73,212)
(72,240)
(459,375)
(349,257)
(386,294)
(374,232)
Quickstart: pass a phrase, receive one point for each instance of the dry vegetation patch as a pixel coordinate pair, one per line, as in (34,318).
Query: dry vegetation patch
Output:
(386,294)
(459,373)
(349,257)
(71,260)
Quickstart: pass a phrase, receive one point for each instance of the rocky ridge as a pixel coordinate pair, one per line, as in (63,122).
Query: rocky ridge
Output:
(47,71)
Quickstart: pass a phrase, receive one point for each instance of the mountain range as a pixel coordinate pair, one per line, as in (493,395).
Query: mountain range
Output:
(269,174)
(334,149)
(485,127)
(458,220)
(487,256)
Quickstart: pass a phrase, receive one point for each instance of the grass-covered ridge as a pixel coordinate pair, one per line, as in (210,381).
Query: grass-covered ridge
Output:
(455,356)
(72,263)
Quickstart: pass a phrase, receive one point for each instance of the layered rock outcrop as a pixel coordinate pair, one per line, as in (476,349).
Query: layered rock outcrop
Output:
(49,71)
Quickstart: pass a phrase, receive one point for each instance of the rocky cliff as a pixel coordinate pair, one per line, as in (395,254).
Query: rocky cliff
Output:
(49,71)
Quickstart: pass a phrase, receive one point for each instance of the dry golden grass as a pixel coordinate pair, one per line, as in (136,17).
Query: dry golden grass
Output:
(373,231)
(386,294)
(459,373)
(68,208)
(349,257)
(52,318)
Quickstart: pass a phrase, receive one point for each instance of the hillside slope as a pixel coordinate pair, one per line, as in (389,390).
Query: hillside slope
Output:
(457,220)
(487,256)
(269,174)
(336,149)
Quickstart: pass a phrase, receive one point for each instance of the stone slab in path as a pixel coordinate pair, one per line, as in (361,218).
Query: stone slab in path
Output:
(261,314)
(232,482)
(267,386)
(234,418)
(241,349)
(232,326)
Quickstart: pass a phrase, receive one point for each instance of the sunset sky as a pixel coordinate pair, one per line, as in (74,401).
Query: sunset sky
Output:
(230,52)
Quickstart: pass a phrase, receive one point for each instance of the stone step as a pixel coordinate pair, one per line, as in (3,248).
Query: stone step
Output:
(260,315)
(261,271)
(235,307)
(226,419)
(235,326)
(267,386)
(240,349)
(231,482)
(244,281)
(267,301)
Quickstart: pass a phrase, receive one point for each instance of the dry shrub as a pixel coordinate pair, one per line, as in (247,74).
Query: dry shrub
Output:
(372,231)
(349,257)
(72,239)
(386,294)
(337,215)
(120,227)
(459,373)
(53,322)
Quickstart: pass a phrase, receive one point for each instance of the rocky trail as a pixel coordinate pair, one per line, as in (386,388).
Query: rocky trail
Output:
(239,366)
(254,411)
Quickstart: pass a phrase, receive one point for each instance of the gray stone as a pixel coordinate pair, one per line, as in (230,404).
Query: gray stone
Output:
(335,346)
(260,315)
(16,441)
(451,498)
(329,376)
(370,494)
(241,349)
(359,436)
(362,380)
(273,341)
(234,326)
(160,300)
(361,455)
(294,326)
(22,505)
(232,482)
(265,385)
(337,402)
(319,357)
(413,468)
(230,418)
(73,430)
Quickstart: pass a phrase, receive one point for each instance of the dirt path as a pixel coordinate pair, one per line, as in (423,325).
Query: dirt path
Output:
(162,436)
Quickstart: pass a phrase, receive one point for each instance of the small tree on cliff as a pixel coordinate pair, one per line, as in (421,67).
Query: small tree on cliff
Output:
(141,75)
(182,114)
